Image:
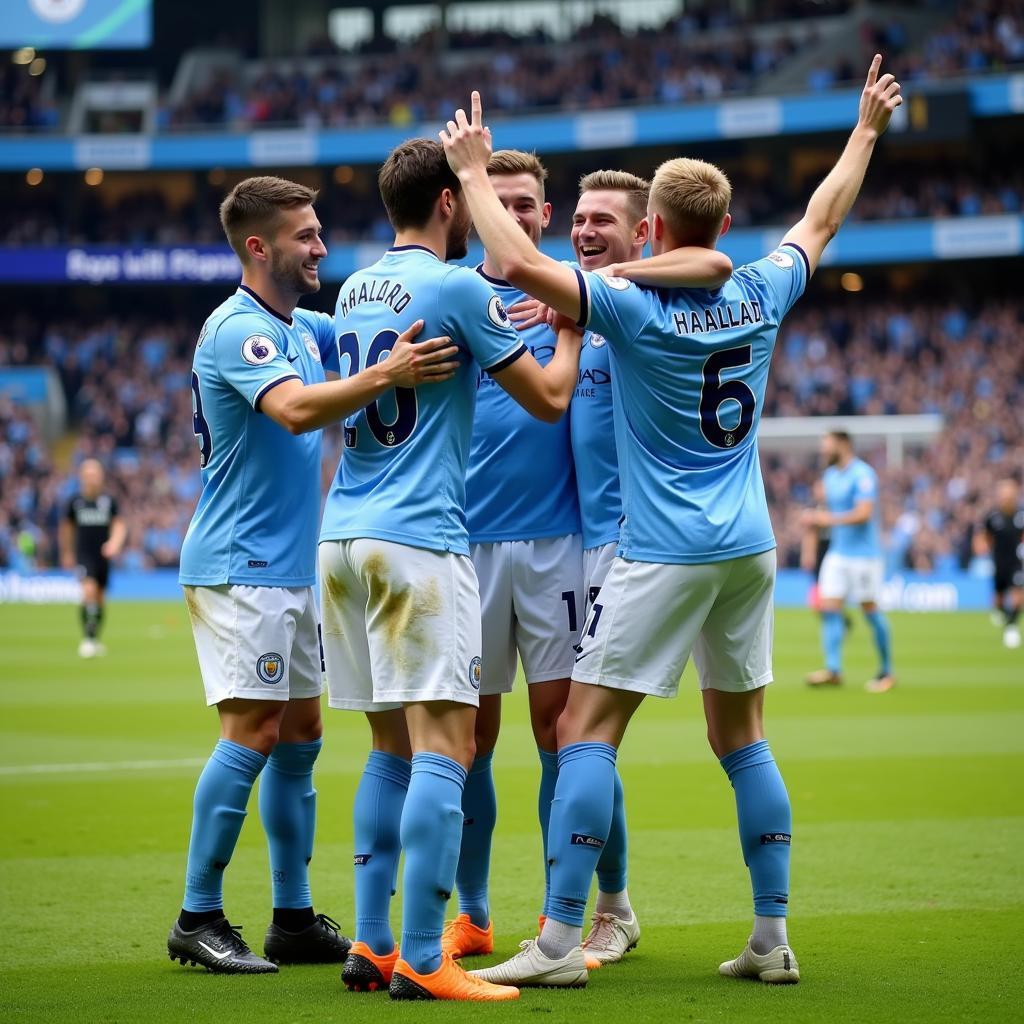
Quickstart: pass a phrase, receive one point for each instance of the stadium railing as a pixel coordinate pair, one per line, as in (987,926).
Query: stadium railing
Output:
(755,117)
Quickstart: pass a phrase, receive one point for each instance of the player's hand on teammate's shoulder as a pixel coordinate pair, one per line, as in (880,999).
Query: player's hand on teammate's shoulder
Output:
(467,141)
(880,98)
(414,362)
(528,312)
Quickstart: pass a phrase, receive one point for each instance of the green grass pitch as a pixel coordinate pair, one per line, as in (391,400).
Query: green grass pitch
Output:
(908,854)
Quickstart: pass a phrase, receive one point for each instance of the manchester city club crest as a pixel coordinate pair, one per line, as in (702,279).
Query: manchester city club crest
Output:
(474,673)
(270,668)
(310,344)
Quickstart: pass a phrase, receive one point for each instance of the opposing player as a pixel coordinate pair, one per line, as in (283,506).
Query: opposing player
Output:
(696,563)
(248,564)
(90,536)
(401,604)
(852,569)
(1003,531)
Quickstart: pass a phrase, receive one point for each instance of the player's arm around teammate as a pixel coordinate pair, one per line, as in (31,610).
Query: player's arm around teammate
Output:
(693,575)
(249,561)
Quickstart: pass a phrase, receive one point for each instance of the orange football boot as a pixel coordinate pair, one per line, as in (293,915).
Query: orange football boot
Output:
(449,981)
(463,938)
(366,971)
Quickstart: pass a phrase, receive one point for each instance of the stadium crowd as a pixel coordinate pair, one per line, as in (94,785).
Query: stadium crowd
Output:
(148,217)
(128,392)
(604,67)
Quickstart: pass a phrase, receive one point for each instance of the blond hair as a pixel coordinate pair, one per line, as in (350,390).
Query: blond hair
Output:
(515,161)
(254,205)
(637,190)
(693,196)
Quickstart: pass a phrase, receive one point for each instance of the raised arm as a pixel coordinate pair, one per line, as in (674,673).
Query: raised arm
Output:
(688,267)
(300,407)
(467,144)
(834,197)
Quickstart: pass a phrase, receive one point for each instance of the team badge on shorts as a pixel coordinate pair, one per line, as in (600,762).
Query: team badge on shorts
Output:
(474,673)
(270,668)
(258,349)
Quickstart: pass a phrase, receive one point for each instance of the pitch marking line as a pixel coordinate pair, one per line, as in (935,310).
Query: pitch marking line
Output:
(98,766)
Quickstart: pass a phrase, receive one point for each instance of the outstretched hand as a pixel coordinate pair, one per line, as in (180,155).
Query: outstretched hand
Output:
(881,96)
(467,142)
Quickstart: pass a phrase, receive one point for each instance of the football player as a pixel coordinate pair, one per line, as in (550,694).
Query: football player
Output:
(695,568)
(248,563)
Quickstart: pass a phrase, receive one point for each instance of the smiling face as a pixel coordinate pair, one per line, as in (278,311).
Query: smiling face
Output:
(605,229)
(295,251)
(523,198)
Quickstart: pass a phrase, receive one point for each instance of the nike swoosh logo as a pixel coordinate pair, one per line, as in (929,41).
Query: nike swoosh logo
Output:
(213,952)
(291,359)
(580,657)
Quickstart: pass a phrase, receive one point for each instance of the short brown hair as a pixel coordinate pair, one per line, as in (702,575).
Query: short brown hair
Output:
(516,161)
(254,205)
(412,178)
(693,196)
(637,189)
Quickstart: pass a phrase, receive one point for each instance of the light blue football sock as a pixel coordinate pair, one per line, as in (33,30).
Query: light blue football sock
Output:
(765,824)
(377,818)
(832,629)
(218,812)
(883,640)
(545,794)
(480,813)
(431,836)
(611,865)
(288,812)
(581,815)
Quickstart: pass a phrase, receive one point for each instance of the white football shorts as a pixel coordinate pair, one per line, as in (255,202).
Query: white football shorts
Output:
(843,578)
(256,643)
(596,563)
(649,617)
(531,597)
(400,624)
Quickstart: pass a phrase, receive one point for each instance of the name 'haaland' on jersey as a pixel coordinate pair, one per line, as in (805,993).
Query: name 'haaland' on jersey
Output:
(718,318)
(393,295)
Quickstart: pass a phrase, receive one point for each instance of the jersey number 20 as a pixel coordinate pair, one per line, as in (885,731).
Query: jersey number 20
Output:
(715,392)
(397,432)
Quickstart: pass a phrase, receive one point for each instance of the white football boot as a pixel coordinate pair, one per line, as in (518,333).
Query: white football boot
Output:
(530,968)
(610,939)
(777,967)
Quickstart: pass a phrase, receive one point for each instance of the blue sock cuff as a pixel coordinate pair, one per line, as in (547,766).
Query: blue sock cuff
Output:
(482,764)
(548,759)
(295,758)
(747,757)
(575,751)
(243,759)
(428,763)
(390,767)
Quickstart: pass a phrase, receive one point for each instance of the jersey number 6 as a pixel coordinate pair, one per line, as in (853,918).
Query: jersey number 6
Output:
(715,392)
(400,429)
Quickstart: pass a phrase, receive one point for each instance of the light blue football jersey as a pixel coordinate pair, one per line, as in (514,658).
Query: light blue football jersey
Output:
(844,489)
(519,482)
(689,369)
(256,519)
(402,477)
(593,445)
